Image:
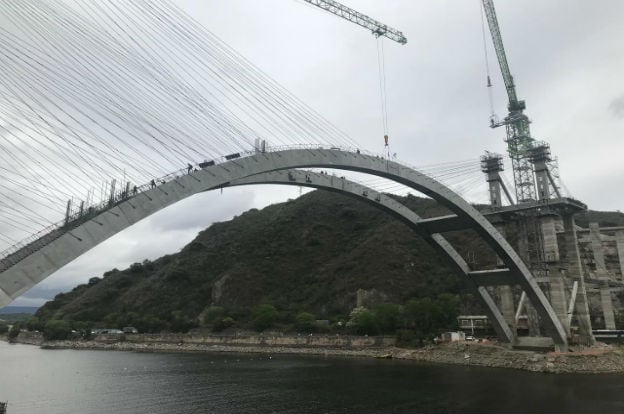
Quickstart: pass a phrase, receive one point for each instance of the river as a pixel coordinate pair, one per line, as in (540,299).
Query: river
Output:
(66,381)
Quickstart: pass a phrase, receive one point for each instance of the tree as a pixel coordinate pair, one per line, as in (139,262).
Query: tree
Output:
(34,324)
(362,322)
(180,323)
(429,317)
(94,281)
(150,324)
(57,330)
(14,331)
(212,314)
(305,322)
(387,316)
(221,324)
(266,315)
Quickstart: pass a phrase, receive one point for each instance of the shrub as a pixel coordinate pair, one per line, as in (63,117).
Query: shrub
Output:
(4,328)
(222,324)
(34,324)
(387,316)
(57,330)
(428,317)
(266,315)
(305,322)
(14,331)
(362,322)
(212,314)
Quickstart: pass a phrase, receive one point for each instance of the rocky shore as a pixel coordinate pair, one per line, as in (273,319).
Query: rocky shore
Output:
(598,359)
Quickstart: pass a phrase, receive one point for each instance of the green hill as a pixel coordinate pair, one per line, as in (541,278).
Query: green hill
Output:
(311,254)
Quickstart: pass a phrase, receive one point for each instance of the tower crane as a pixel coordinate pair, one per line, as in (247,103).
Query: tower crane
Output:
(377,28)
(519,141)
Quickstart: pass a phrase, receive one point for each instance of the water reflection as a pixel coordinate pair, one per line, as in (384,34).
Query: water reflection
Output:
(65,381)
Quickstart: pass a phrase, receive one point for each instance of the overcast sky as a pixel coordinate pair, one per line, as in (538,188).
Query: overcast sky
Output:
(566,57)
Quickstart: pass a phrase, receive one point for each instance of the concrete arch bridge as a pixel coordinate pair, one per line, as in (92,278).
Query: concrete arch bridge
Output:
(26,265)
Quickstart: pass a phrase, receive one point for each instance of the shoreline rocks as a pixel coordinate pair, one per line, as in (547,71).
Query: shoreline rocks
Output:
(600,359)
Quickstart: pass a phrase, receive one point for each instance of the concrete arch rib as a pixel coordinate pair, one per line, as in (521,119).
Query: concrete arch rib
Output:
(397,210)
(39,264)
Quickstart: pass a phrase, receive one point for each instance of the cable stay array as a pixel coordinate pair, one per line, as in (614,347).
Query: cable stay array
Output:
(102,94)
(99,97)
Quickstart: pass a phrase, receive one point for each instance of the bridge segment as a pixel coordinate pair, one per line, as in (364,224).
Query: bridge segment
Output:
(38,264)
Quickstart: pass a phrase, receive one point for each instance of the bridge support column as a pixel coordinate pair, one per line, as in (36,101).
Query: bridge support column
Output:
(506,292)
(619,240)
(523,251)
(532,319)
(507,306)
(606,302)
(597,250)
(558,298)
(575,272)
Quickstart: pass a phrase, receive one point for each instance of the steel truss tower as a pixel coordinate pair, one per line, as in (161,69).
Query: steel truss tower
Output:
(519,141)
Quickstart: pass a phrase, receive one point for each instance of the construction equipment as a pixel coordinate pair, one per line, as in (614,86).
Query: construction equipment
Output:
(519,140)
(377,28)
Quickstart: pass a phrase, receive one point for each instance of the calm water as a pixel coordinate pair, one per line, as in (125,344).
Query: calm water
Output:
(65,381)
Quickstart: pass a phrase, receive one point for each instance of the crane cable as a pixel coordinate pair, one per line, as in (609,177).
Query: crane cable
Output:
(382,92)
(487,65)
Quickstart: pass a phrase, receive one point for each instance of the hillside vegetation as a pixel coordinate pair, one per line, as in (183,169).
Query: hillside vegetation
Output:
(286,265)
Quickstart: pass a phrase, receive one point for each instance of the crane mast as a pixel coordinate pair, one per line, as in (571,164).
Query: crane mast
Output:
(519,140)
(377,28)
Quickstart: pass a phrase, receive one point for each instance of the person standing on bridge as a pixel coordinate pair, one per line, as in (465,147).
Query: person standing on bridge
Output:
(189,168)
(152,183)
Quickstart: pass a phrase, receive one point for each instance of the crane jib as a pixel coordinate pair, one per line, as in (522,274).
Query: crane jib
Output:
(376,27)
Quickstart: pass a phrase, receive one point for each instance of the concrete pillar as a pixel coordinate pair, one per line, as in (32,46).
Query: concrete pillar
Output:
(523,251)
(532,319)
(558,298)
(606,301)
(549,236)
(607,307)
(575,272)
(540,157)
(507,306)
(505,292)
(495,191)
(619,240)
(492,165)
(523,243)
(597,250)
(541,181)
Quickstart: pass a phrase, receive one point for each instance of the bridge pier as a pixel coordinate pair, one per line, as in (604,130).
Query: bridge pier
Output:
(575,273)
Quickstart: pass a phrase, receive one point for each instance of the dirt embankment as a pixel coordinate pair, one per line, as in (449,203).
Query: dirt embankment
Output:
(598,359)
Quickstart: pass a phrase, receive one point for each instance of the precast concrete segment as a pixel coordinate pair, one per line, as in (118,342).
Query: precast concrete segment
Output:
(40,264)
(403,213)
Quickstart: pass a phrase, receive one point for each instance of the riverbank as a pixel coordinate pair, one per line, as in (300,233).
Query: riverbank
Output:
(598,359)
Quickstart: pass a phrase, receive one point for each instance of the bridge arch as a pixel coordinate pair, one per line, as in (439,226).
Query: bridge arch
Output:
(17,276)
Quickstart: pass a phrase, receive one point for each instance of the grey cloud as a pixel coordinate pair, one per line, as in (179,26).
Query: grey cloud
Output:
(617,107)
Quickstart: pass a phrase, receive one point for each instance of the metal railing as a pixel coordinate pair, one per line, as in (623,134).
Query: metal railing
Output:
(19,251)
